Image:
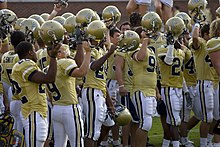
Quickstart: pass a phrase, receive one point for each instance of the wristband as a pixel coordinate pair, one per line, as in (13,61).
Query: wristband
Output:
(121,86)
(197,25)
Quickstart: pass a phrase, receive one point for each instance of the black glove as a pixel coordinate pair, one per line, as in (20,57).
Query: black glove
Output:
(63,3)
(170,39)
(78,35)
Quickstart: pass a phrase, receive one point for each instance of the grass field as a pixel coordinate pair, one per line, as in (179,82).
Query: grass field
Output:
(156,133)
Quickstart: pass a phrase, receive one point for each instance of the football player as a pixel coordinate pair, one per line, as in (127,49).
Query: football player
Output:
(112,84)
(213,51)
(94,97)
(8,61)
(170,60)
(67,116)
(27,81)
(205,77)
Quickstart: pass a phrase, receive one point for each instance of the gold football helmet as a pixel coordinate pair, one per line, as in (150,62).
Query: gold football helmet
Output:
(66,15)
(129,41)
(111,15)
(7,17)
(30,27)
(17,25)
(38,18)
(51,31)
(84,17)
(151,22)
(59,19)
(122,115)
(70,24)
(213,45)
(187,20)
(217,12)
(45,16)
(175,26)
(96,30)
(195,5)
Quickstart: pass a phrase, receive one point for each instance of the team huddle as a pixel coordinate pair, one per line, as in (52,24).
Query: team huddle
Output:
(73,78)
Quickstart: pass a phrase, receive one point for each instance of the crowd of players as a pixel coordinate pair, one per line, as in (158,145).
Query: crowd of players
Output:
(68,78)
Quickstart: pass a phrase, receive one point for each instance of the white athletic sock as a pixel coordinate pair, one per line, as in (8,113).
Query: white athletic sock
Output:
(166,143)
(176,143)
(203,142)
(116,142)
(216,144)
(104,143)
(209,138)
(183,140)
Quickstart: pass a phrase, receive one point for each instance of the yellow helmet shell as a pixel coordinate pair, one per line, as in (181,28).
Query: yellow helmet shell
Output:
(96,30)
(196,4)
(187,20)
(70,24)
(111,15)
(51,30)
(32,25)
(151,21)
(175,26)
(8,16)
(17,25)
(38,18)
(122,116)
(45,16)
(66,15)
(85,16)
(129,41)
(59,19)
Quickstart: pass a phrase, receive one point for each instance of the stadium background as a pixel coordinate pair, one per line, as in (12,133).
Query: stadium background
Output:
(25,8)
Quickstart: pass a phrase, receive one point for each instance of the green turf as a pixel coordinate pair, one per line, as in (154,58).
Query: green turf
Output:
(156,133)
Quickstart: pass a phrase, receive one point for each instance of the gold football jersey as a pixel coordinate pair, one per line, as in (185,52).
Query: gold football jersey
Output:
(189,71)
(1,85)
(171,75)
(96,79)
(43,58)
(64,90)
(203,64)
(144,74)
(8,61)
(111,67)
(31,94)
(128,70)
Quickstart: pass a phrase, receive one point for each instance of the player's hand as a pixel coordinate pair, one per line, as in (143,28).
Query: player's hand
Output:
(112,49)
(123,91)
(111,111)
(170,39)
(53,50)
(86,46)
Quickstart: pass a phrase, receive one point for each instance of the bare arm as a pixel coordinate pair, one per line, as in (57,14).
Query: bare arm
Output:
(79,57)
(55,11)
(195,37)
(82,71)
(49,77)
(142,53)
(95,65)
